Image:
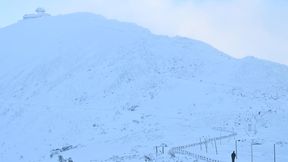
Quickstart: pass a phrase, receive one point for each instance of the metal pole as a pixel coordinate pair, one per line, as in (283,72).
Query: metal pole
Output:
(236,148)
(274,152)
(206,147)
(251,152)
(156,150)
(220,138)
(200,144)
(216,147)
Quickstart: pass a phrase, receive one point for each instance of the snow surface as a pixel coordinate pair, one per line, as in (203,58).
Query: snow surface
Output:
(113,91)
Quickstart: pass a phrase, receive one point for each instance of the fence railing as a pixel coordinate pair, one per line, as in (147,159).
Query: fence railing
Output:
(180,149)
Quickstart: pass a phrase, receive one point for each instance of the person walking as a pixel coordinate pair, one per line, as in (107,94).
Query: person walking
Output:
(233,156)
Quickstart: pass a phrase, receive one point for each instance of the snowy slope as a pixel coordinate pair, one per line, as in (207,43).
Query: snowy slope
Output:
(114,90)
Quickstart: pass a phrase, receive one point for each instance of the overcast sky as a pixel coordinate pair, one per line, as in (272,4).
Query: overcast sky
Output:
(237,27)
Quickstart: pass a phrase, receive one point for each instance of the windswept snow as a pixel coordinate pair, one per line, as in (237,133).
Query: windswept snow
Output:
(112,91)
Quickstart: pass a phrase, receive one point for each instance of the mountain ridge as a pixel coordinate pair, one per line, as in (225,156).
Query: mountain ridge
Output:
(80,79)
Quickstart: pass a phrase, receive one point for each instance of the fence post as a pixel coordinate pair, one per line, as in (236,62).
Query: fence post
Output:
(220,138)
(274,152)
(236,149)
(216,147)
(156,151)
(251,152)
(206,145)
(200,144)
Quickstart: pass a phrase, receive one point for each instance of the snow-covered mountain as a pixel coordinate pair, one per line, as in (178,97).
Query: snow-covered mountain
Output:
(113,91)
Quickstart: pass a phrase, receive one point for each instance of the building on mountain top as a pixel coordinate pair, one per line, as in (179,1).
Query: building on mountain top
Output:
(40,12)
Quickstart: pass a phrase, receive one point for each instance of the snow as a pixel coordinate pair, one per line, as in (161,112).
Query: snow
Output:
(113,91)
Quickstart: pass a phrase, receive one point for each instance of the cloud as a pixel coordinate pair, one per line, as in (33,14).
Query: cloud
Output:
(237,27)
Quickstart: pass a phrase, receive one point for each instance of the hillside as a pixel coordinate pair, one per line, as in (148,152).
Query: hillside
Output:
(114,90)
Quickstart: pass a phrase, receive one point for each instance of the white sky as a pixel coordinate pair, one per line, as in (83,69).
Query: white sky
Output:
(237,27)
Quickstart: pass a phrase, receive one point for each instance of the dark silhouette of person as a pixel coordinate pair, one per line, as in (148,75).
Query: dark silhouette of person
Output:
(233,156)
